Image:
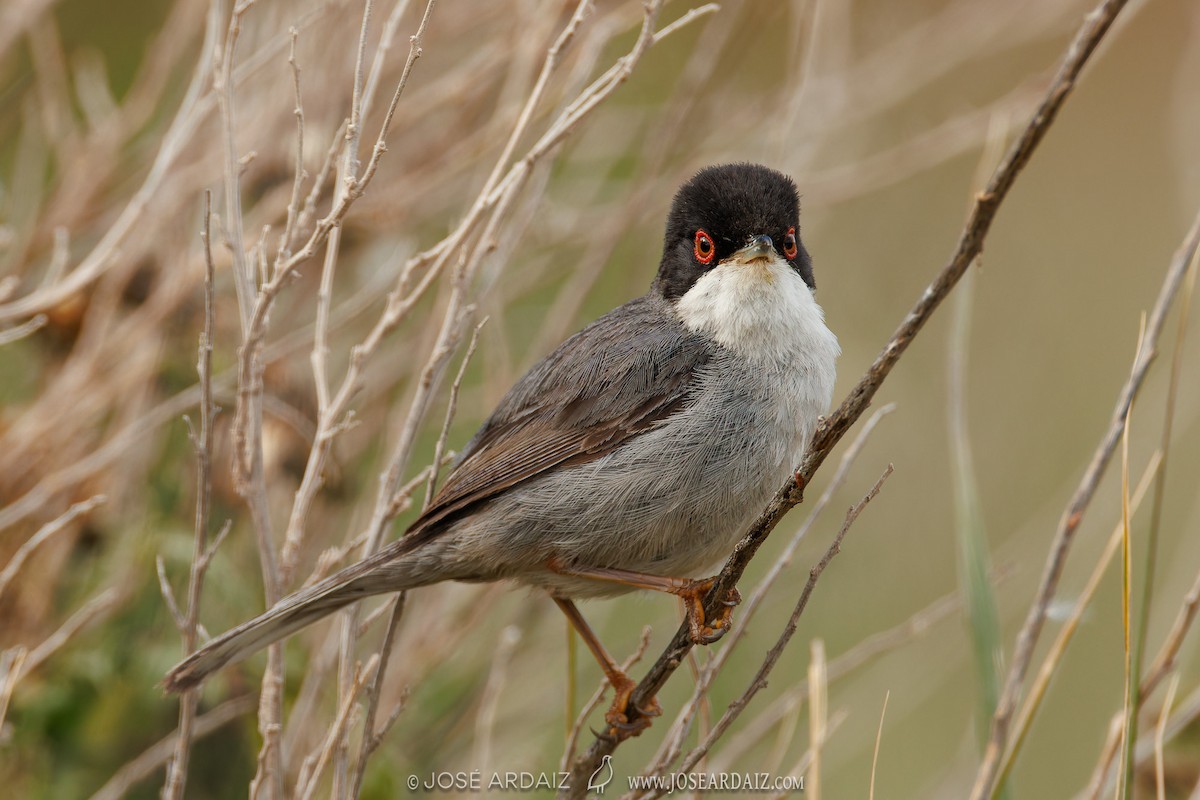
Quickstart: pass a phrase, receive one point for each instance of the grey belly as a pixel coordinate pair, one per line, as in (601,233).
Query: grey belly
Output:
(672,501)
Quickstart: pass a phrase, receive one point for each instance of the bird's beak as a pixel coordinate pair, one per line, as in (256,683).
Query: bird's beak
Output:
(760,248)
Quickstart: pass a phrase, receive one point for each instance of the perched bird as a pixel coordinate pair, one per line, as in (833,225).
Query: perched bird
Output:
(635,454)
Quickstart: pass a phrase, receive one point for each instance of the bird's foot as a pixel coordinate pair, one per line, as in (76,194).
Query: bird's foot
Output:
(620,727)
(701,630)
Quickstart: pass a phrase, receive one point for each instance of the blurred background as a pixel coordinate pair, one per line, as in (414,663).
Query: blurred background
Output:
(888,115)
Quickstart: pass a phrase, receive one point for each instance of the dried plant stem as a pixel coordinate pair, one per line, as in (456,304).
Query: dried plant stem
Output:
(817,711)
(202,443)
(759,681)
(1058,649)
(878,739)
(672,746)
(760,678)
(187,119)
(310,778)
(1162,666)
(161,752)
(969,246)
(594,701)
(333,411)
(45,532)
(986,780)
(439,449)
(1160,733)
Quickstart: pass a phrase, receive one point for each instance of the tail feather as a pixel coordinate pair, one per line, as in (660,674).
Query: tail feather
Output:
(379,574)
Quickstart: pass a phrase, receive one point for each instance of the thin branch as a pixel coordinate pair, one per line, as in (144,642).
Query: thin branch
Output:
(298,176)
(308,783)
(969,246)
(878,739)
(672,746)
(18,332)
(759,681)
(1058,649)
(371,737)
(99,606)
(160,753)
(48,530)
(760,678)
(331,410)
(451,406)
(594,701)
(986,780)
(202,444)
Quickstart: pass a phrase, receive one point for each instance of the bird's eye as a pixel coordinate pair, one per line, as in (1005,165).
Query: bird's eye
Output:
(789,244)
(704,249)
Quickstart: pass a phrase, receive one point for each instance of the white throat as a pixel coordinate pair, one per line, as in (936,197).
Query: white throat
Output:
(763,311)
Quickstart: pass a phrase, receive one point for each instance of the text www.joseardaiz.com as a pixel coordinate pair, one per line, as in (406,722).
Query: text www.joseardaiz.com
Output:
(669,783)
(718,782)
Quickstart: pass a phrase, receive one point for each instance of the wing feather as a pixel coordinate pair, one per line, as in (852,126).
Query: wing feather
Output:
(618,377)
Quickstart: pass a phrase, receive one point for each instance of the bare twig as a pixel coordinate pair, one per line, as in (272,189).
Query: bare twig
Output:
(372,738)
(18,332)
(202,444)
(56,525)
(99,606)
(293,208)
(351,187)
(310,778)
(162,751)
(759,681)
(760,678)
(672,745)
(594,702)
(986,780)
(1160,732)
(1041,681)
(451,406)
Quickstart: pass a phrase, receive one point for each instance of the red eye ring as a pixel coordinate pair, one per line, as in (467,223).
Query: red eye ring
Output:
(704,248)
(789,243)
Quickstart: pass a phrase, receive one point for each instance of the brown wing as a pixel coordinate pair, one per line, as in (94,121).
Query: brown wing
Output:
(616,378)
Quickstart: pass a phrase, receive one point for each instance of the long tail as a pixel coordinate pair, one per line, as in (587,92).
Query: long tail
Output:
(384,572)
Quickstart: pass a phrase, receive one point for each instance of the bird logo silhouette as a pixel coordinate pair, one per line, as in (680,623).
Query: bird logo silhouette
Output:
(602,776)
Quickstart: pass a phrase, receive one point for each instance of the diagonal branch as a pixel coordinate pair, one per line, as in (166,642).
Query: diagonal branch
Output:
(970,245)
(1064,536)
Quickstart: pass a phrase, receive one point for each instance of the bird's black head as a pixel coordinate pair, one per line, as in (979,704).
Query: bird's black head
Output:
(722,210)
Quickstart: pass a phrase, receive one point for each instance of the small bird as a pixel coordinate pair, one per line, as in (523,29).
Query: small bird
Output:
(635,454)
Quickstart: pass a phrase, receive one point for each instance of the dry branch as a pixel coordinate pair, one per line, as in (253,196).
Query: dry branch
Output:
(1064,536)
(969,246)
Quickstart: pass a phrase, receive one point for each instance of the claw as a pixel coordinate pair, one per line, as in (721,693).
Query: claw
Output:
(701,630)
(620,727)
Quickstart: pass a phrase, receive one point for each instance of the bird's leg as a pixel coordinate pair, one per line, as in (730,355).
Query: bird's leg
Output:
(692,592)
(617,715)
